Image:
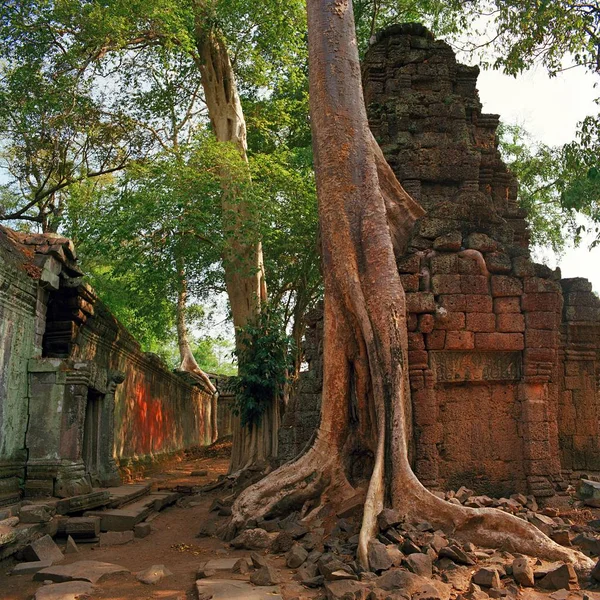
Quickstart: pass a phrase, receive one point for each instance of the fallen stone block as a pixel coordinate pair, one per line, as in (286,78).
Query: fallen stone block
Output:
(142,530)
(589,492)
(588,543)
(564,577)
(258,560)
(153,574)
(82,527)
(420,563)
(296,556)
(29,568)
(265,576)
(333,569)
(543,523)
(36,513)
(487,577)
(522,572)
(283,542)
(124,494)
(204,573)
(340,590)
(220,564)
(412,584)
(293,528)
(463,493)
(43,549)
(457,554)
(379,559)
(71,547)
(83,570)
(241,566)
(458,577)
(70,590)
(388,518)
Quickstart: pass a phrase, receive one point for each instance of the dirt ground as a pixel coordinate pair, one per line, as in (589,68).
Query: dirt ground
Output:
(173,542)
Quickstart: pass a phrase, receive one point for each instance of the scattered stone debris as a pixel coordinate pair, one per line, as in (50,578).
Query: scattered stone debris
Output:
(44,549)
(265,576)
(522,572)
(561,578)
(83,570)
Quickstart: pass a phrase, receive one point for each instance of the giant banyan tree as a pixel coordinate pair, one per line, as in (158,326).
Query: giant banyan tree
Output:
(366,222)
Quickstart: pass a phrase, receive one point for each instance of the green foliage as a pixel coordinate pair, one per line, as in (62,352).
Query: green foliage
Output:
(442,17)
(213,355)
(264,359)
(556,184)
(541,175)
(553,32)
(134,238)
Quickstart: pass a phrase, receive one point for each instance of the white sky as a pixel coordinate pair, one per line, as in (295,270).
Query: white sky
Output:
(549,108)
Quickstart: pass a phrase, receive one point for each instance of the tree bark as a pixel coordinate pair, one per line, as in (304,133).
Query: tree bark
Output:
(242,253)
(188,361)
(365,216)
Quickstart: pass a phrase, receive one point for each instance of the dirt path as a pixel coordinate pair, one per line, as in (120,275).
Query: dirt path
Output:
(173,542)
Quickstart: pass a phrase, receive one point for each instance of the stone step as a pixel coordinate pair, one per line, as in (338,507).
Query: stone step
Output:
(76,504)
(127,517)
(125,494)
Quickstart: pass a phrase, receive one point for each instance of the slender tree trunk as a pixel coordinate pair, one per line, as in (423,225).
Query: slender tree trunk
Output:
(365,216)
(188,362)
(242,254)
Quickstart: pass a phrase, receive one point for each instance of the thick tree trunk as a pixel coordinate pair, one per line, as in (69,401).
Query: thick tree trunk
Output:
(188,362)
(243,259)
(365,216)
(242,254)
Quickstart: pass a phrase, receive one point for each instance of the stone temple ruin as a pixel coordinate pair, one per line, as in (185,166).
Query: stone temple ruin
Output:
(503,353)
(503,365)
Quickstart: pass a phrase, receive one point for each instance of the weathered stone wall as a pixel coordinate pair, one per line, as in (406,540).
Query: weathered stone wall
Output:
(78,397)
(156,412)
(503,355)
(22,315)
(304,409)
(578,411)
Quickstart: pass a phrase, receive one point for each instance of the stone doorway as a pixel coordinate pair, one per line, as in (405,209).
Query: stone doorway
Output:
(91,450)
